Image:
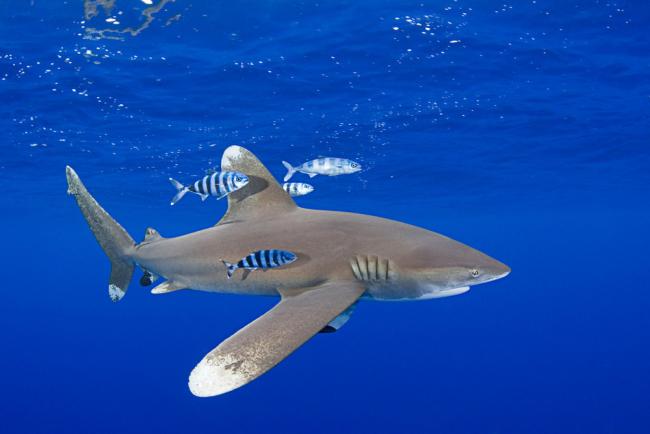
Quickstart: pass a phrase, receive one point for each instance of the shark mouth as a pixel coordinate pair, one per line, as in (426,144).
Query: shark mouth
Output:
(443,293)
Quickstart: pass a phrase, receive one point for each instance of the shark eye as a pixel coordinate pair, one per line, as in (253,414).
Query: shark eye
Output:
(475,273)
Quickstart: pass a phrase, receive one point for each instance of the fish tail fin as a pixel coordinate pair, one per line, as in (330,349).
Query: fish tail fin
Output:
(181,190)
(112,237)
(230,268)
(290,171)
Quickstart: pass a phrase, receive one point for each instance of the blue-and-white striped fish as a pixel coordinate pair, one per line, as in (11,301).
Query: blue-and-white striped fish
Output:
(323,166)
(219,184)
(263,259)
(297,188)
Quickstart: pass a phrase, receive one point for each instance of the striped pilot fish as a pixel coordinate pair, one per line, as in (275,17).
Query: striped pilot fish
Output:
(323,166)
(263,259)
(297,188)
(219,184)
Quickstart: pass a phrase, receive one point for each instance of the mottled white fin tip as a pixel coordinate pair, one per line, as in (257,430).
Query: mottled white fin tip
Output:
(115,292)
(233,153)
(212,377)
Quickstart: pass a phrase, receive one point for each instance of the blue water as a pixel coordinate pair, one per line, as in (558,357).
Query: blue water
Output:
(519,128)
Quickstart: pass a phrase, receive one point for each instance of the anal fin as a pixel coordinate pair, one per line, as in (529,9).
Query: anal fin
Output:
(168,286)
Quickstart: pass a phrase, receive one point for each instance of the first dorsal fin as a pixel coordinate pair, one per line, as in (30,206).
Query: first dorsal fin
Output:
(261,197)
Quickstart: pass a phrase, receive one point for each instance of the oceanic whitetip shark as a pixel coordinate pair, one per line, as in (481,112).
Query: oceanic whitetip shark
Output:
(341,257)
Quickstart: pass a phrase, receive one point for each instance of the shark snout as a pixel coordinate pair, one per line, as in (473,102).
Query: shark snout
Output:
(494,270)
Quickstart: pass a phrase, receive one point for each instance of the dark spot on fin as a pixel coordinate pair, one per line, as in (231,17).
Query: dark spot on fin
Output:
(328,329)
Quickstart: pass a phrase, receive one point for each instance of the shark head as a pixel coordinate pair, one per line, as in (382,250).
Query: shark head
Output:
(447,267)
(428,265)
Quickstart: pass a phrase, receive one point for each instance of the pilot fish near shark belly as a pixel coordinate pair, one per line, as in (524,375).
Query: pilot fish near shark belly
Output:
(218,184)
(263,259)
(323,166)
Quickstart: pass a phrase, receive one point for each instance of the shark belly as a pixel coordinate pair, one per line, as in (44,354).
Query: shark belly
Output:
(405,292)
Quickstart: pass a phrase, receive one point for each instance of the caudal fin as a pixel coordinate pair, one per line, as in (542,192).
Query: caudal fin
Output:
(230,268)
(181,190)
(112,237)
(290,171)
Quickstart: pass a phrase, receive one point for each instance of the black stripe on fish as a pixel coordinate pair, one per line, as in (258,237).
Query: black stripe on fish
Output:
(204,185)
(222,185)
(213,184)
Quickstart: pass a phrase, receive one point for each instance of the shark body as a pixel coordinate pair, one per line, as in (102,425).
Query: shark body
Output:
(341,257)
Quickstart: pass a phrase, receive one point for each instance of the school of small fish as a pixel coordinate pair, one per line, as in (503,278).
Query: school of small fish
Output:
(221,184)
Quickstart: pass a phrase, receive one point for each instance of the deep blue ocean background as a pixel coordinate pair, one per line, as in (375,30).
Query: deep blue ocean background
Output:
(519,128)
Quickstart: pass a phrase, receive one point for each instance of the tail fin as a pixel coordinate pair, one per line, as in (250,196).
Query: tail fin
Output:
(290,171)
(231,268)
(112,237)
(181,190)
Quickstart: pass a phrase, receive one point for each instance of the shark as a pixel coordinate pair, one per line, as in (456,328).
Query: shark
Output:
(341,258)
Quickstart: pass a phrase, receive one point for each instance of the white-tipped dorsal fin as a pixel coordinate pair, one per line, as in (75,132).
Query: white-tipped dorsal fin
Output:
(151,235)
(261,197)
(166,287)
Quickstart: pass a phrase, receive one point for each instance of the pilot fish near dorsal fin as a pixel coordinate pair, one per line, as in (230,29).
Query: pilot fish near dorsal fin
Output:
(261,197)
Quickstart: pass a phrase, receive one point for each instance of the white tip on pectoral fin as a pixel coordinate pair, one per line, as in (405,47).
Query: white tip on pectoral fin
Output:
(216,376)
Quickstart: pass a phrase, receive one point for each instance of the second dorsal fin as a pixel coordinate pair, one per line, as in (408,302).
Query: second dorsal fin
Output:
(262,196)
(151,235)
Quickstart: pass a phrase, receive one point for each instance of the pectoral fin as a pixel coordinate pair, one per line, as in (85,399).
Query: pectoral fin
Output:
(266,341)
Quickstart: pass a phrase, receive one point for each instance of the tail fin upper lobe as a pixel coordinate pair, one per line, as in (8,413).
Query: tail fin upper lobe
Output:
(230,268)
(290,171)
(112,237)
(181,190)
